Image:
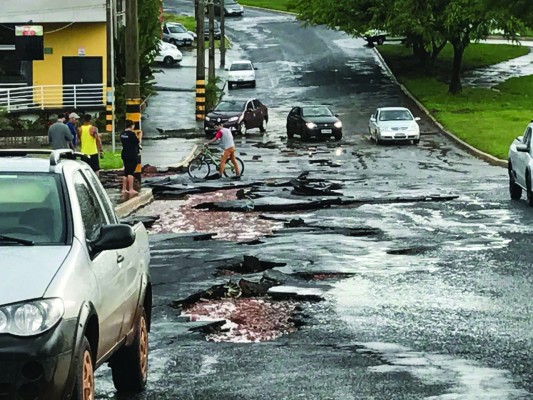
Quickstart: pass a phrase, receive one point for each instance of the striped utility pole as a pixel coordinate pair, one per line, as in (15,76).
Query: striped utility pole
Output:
(200,61)
(132,86)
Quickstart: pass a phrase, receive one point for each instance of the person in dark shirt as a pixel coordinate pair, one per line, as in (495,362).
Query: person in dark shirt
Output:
(72,123)
(130,153)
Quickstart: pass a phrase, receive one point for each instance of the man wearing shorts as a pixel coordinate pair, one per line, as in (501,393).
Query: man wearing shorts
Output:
(90,143)
(228,145)
(130,153)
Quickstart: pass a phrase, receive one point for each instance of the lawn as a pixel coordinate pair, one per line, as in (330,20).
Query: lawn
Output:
(488,119)
(280,5)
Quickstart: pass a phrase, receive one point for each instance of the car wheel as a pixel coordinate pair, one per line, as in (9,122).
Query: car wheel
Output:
(230,86)
(253,83)
(338,136)
(129,365)
(263,126)
(168,61)
(290,135)
(84,387)
(514,190)
(380,41)
(174,42)
(305,135)
(528,189)
(416,141)
(242,128)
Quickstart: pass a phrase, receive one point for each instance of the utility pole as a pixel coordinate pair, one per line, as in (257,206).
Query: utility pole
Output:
(211,70)
(132,86)
(110,96)
(200,60)
(223,35)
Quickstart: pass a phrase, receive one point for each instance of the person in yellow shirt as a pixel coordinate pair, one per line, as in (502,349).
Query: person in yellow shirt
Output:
(90,143)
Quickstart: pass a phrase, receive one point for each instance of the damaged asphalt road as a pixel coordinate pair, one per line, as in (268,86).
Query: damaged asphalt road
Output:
(420,260)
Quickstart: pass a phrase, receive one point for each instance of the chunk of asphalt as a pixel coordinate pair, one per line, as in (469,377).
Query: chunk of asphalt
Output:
(146,220)
(207,327)
(251,265)
(270,204)
(296,293)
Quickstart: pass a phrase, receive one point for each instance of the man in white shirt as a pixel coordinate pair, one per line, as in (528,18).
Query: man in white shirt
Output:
(228,145)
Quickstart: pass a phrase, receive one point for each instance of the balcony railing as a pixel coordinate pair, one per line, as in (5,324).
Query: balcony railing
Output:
(46,97)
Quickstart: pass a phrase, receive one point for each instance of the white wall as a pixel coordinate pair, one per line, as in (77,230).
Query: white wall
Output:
(42,11)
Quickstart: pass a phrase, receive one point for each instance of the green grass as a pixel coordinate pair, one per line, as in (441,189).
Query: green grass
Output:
(487,119)
(111,160)
(280,5)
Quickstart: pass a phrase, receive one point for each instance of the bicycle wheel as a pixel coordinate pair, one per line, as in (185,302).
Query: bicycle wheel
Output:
(199,168)
(229,170)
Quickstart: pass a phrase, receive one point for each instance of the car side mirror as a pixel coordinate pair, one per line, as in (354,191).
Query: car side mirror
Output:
(519,138)
(417,118)
(373,119)
(113,237)
(255,68)
(227,69)
(522,147)
(336,115)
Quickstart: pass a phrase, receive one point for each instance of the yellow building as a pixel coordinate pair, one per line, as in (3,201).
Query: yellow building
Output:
(74,71)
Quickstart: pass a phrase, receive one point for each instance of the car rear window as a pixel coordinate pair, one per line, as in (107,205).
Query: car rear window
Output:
(240,67)
(34,209)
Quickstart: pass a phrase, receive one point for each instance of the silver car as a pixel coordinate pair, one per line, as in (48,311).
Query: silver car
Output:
(75,289)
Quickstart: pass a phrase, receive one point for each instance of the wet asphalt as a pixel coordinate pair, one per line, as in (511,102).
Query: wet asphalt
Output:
(436,306)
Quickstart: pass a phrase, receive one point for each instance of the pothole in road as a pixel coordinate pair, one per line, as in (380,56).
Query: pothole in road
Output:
(244,311)
(409,251)
(322,276)
(249,265)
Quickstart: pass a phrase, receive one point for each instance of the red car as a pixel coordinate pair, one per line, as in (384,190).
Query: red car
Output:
(237,115)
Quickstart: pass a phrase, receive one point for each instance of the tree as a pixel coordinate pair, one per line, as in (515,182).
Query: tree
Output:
(428,24)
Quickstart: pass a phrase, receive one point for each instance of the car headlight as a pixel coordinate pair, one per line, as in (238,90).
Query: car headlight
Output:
(207,118)
(310,125)
(338,124)
(233,119)
(31,318)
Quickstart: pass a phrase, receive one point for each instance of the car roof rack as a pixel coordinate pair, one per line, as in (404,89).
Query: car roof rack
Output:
(55,155)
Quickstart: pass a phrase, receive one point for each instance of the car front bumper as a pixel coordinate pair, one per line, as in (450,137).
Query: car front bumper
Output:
(323,132)
(209,127)
(38,367)
(399,136)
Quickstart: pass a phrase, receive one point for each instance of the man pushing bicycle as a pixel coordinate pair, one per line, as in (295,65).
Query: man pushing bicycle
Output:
(226,141)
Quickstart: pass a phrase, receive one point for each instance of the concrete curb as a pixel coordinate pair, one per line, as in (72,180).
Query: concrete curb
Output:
(271,10)
(124,209)
(469,148)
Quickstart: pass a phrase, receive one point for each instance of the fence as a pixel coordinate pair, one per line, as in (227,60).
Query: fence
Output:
(51,97)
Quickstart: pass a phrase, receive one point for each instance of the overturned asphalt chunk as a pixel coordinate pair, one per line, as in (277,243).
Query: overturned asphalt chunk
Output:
(322,276)
(249,265)
(270,204)
(296,293)
(306,188)
(146,220)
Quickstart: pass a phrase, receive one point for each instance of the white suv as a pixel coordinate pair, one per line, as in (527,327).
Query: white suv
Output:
(521,166)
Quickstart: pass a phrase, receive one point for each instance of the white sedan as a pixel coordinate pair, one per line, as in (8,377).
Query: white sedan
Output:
(241,72)
(392,124)
(168,54)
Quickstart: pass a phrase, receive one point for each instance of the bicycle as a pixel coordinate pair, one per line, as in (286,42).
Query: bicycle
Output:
(200,167)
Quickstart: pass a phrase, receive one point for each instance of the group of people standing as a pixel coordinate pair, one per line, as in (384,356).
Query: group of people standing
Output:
(66,133)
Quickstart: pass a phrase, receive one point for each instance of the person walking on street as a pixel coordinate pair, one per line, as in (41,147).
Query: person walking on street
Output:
(130,152)
(72,125)
(90,143)
(59,136)
(228,145)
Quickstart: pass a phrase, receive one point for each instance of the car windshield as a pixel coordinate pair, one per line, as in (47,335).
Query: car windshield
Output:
(320,111)
(176,29)
(34,209)
(395,115)
(229,106)
(240,67)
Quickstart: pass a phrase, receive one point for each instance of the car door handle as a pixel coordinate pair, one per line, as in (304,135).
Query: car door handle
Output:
(120,258)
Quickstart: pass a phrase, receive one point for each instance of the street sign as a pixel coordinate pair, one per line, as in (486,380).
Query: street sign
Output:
(29,30)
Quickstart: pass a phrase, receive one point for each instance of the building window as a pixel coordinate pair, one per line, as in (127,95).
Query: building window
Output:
(13,70)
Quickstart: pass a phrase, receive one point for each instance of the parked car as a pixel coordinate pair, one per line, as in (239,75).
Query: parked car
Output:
(313,121)
(176,34)
(75,287)
(520,166)
(217,33)
(231,7)
(193,34)
(241,72)
(377,36)
(168,54)
(393,124)
(237,115)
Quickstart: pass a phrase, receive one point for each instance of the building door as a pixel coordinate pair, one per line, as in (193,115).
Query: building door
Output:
(82,82)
